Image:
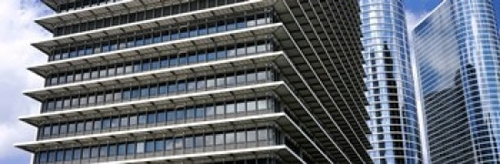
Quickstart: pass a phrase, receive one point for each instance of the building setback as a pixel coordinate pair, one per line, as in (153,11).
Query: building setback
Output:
(200,81)
(395,136)
(457,48)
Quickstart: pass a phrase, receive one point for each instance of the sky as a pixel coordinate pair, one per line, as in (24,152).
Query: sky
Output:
(17,31)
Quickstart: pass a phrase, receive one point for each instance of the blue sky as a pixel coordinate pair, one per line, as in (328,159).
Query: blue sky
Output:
(17,31)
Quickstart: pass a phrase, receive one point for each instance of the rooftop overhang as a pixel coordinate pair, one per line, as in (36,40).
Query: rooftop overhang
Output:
(148,24)
(157,103)
(162,75)
(182,45)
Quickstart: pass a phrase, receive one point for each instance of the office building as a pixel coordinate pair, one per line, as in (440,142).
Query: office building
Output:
(200,81)
(457,49)
(395,136)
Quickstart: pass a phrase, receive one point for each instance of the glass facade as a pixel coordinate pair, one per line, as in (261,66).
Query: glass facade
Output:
(159,10)
(164,146)
(161,62)
(157,35)
(152,90)
(395,134)
(155,118)
(215,82)
(457,47)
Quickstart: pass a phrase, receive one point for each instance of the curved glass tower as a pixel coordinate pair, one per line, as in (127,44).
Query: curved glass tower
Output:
(457,47)
(394,123)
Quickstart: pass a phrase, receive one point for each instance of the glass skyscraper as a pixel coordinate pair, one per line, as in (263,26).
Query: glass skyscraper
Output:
(457,48)
(394,120)
(200,81)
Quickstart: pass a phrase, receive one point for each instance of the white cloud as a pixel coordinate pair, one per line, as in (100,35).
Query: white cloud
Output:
(17,31)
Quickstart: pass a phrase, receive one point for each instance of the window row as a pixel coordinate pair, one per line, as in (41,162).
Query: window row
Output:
(167,33)
(159,145)
(136,16)
(159,89)
(219,53)
(172,116)
(80,4)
